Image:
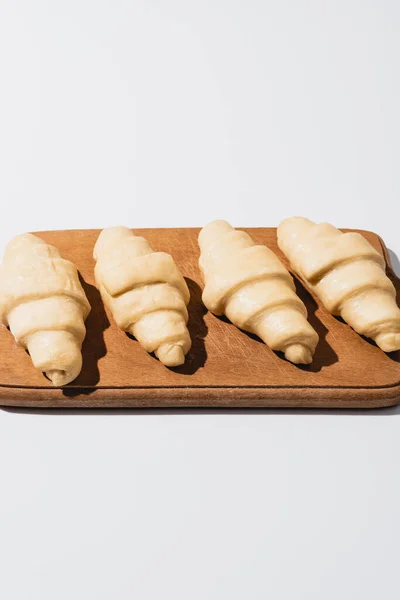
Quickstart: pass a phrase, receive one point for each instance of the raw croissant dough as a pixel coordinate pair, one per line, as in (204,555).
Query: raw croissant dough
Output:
(250,285)
(43,303)
(145,292)
(347,274)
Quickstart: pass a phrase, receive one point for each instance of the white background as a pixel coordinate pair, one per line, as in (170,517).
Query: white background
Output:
(158,113)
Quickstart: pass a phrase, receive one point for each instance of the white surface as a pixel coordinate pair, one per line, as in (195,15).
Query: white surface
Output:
(175,112)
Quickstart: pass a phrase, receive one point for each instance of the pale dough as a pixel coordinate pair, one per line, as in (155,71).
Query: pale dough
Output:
(250,285)
(347,274)
(43,303)
(145,292)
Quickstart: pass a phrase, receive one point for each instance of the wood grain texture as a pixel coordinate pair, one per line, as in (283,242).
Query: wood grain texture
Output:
(226,367)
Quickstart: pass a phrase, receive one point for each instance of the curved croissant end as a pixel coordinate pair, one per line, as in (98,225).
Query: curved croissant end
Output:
(145,292)
(250,285)
(43,303)
(57,354)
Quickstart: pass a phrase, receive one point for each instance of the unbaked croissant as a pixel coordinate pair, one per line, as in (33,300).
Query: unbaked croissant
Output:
(43,303)
(250,285)
(347,274)
(145,292)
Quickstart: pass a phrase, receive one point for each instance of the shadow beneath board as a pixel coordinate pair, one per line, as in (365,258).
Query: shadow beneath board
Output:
(93,347)
(197,355)
(206,412)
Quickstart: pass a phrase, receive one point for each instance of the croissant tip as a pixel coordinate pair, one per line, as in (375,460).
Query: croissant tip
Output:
(171,355)
(58,378)
(298,354)
(388,342)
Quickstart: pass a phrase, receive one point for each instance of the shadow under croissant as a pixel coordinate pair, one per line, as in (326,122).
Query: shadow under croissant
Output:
(324,353)
(197,355)
(93,347)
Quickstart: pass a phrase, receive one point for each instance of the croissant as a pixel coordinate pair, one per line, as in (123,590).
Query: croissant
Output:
(347,274)
(145,292)
(250,285)
(43,303)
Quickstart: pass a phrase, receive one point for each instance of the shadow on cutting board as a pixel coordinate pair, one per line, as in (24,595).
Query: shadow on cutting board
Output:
(93,347)
(197,355)
(324,353)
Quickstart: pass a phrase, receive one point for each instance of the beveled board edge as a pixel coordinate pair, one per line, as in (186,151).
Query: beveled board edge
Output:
(202,397)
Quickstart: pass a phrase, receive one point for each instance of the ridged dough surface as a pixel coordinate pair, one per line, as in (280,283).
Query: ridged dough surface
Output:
(43,303)
(347,274)
(145,292)
(249,284)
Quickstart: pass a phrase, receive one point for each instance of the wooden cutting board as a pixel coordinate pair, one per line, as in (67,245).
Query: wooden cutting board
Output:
(226,367)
